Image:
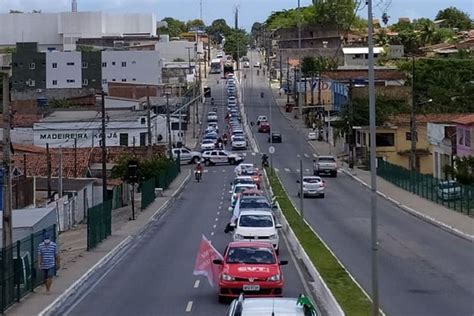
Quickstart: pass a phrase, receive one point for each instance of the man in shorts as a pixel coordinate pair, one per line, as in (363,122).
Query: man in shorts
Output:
(48,260)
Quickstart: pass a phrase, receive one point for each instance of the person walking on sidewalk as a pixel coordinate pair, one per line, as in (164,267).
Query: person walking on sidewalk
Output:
(48,260)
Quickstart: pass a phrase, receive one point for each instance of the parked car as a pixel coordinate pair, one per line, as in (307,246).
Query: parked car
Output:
(186,155)
(264,127)
(312,186)
(212,157)
(290,306)
(449,190)
(275,137)
(250,267)
(241,179)
(237,189)
(257,65)
(312,136)
(325,165)
(214,126)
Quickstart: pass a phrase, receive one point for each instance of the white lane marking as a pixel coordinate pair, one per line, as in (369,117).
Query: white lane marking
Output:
(254,153)
(222,197)
(298,156)
(212,233)
(206,170)
(218,213)
(287,170)
(297,170)
(315,156)
(196,284)
(223,170)
(244,154)
(217,219)
(306,155)
(276,169)
(189,306)
(306,170)
(220,207)
(214,226)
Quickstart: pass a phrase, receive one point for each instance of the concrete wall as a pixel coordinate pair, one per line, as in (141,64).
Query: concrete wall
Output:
(92,73)
(175,49)
(464,147)
(20,135)
(63,70)
(114,103)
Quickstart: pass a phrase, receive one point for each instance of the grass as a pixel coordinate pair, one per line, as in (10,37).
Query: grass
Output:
(349,296)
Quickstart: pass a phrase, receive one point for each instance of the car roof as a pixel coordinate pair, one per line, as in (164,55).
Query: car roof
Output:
(266,305)
(250,185)
(254,212)
(250,244)
(312,177)
(243,178)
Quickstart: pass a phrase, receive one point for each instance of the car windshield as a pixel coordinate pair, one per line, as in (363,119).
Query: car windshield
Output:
(239,139)
(254,203)
(241,188)
(448,185)
(243,181)
(311,180)
(255,221)
(251,255)
(326,159)
(208,141)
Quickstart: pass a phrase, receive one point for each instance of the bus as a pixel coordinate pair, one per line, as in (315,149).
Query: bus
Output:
(216,66)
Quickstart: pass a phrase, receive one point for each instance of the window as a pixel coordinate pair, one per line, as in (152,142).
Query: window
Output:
(104,81)
(143,139)
(124,64)
(54,65)
(85,82)
(143,121)
(70,80)
(32,66)
(31,83)
(123,139)
(70,64)
(113,79)
(113,63)
(461,137)
(124,80)
(408,136)
(104,64)
(55,82)
(134,79)
(467,138)
(84,64)
(134,62)
(385,140)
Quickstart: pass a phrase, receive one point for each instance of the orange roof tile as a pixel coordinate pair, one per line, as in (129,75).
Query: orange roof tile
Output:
(466,119)
(403,119)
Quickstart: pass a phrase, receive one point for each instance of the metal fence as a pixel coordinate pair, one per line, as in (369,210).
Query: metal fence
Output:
(19,273)
(99,223)
(164,178)
(452,195)
(148,193)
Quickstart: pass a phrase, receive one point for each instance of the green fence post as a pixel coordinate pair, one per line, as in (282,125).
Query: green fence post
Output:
(17,270)
(32,263)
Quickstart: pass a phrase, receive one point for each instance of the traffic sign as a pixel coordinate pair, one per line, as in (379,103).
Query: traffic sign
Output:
(271,150)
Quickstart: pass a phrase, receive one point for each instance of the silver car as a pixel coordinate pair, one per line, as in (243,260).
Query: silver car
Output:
(313,186)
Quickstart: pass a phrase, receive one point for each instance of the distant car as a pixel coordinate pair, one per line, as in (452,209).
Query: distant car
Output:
(235,192)
(260,225)
(250,267)
(264,127)
(449,190)
(213,157)
(241,179)
(312,136)
(312,186)
(257,65)
(186,155)
(275,137)
(325,165)
(290,306)
(208,144)
(246,64)
(239,142)
(214,126)
(261,118)
(212,117)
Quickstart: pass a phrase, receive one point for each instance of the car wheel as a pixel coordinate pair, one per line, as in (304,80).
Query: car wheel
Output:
(299,194)
(334,174)
(222,299)
(277,251)
(195,160)
(322,196)
(316,173)
(232,161)
(207,162)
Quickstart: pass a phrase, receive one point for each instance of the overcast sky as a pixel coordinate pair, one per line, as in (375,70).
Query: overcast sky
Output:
(250,10)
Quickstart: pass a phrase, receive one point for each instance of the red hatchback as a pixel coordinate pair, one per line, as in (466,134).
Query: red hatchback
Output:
(251,268)
(264,127)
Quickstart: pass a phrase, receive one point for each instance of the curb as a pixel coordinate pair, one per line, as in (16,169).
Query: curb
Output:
(59,301)
(413,212)
(85,277)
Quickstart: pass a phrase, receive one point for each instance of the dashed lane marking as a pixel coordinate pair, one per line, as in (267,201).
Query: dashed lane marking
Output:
(214,226)
(212,233)
(244,154)
(220,207)
(298,170)
(189,306)
(196,284)
(217,219)
(306,170)
(306,155)
(276,169)
(287,170)
(218,213)
(223,170)
(254,153)
(206,170)
(315,156)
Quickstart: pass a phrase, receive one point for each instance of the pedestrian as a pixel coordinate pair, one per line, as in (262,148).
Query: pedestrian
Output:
(48,260)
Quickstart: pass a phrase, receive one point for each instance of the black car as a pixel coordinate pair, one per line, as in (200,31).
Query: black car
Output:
(275,137)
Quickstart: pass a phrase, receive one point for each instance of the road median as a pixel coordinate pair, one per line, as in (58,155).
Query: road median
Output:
(351,299)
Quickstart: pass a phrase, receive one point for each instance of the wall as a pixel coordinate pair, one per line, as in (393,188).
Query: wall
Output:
(63,70)
(93,72)
(175,49)
(20,135)
(114,103)
(132,91)
(21,72)
(465,149)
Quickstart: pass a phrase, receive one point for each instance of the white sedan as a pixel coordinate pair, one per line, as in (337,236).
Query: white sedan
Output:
(208,144)
(239,142)
(312,136)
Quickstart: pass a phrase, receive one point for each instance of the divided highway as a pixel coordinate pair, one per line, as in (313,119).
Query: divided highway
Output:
(423,270)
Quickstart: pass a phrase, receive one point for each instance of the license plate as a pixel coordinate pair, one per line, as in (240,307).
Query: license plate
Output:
(251,287)
(312,191)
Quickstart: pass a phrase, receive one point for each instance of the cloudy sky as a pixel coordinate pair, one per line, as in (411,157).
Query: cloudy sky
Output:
(250,10)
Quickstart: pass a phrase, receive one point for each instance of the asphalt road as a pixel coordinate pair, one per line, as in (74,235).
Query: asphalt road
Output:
(155,276)
(423,270)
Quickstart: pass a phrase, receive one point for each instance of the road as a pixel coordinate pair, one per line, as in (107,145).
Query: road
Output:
(423,270)
(155,276)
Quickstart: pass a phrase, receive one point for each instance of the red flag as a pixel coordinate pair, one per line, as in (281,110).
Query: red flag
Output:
(204,266)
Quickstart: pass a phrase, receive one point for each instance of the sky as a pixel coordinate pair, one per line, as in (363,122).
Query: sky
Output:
(250,11)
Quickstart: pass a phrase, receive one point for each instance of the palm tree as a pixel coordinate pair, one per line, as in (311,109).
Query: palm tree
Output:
(427,32)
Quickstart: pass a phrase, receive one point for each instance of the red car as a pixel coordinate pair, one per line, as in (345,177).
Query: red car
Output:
(264,127)
(255,174)
(251,268)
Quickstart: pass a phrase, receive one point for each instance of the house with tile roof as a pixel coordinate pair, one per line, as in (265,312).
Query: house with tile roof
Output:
(465,135)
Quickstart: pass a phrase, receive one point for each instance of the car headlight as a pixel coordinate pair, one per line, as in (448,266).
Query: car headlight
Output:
(227,277)
(273,236)
(238,236)
(274,278)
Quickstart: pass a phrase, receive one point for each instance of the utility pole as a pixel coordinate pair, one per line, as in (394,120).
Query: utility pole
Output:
(352,160)
(75,157)
(281,70)
(200,9)
(60,172)
(413,118)
(104,152)
(7,180)
(148,118)
(189,59)
(287,80)
(373,167)
(300,109)
(301,190)
(48,166)
(168,123)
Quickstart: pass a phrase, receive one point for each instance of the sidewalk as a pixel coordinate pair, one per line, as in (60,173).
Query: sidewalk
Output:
(436,214)
(76,261)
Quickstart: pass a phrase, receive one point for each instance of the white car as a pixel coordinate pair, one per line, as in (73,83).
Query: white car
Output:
(214,126)
(186,155)
(255,225)
(312,136)
(241,179)
(237,133)
(217,156)
(312,186)
(238,188)
(208,144)
(256,65)
(239,142)
(449,190)
(212,117)
(261,118)
(244,167)
(246,64)
(272,306)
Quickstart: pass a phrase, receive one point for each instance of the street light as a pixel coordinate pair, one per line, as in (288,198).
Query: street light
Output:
(168,122)
(413,134)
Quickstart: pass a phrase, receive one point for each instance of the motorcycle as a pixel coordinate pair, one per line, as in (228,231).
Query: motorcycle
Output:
(198,175)
(265,162)
(261,94)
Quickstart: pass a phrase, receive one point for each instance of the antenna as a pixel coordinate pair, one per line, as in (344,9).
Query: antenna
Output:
(74,6)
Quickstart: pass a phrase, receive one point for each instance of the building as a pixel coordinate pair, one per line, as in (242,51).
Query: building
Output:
(465,136)
(359,56)
(442,137)
(176,50)
(83,129)
(60,31)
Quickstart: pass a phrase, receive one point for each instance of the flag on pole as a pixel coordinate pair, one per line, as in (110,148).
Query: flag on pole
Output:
(204,266)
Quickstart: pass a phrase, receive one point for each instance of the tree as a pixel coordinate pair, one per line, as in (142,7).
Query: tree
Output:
(217,30)
(443,35)
(455,18)
(335,12)
(381,38)
(409,39)
(257,32)
(464,171)
(236,43)
(426,30)
(196,23)
(175,27)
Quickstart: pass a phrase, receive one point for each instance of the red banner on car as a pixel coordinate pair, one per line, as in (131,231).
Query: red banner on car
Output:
(204,266)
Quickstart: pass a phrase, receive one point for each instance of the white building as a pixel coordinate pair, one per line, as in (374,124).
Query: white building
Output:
(123,128)
(440,137)
(63,70)
(143,67)
(170,51)
(359,56)
(59,31)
